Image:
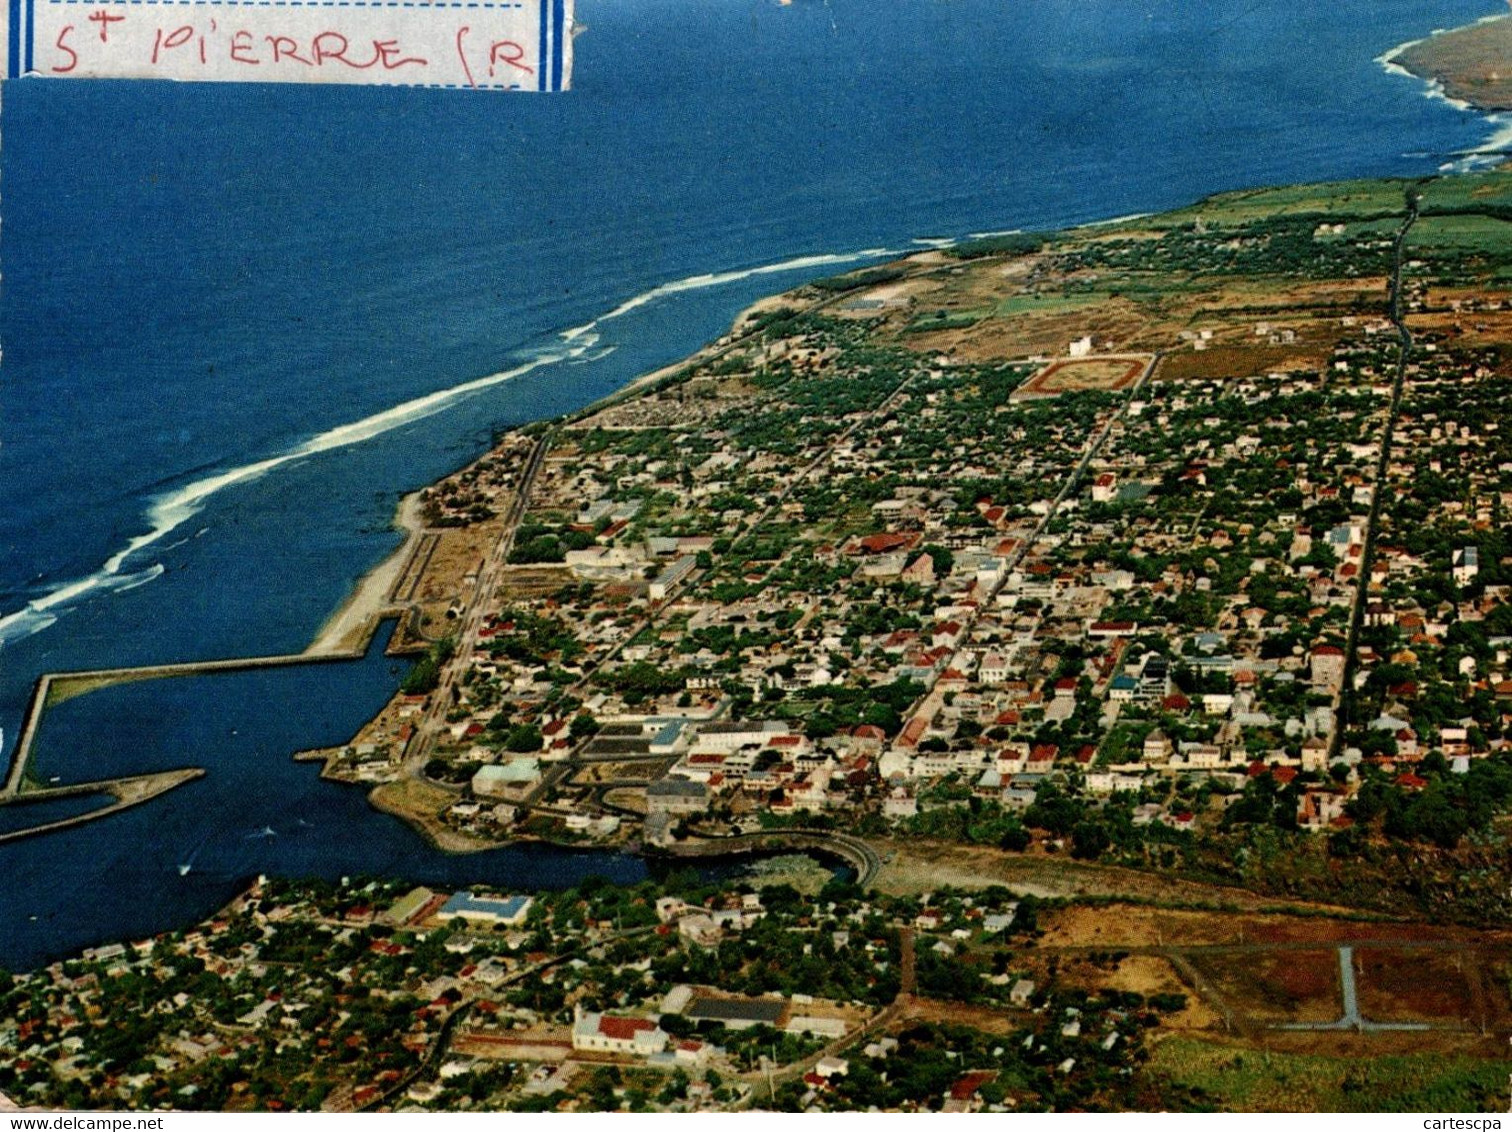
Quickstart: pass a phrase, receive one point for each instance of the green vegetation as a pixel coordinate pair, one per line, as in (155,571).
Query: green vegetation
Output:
(871,277)
(426,673)
(1245,1080)
(1009,243)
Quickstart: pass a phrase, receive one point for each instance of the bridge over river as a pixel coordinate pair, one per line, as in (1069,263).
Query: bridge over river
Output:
(852,850)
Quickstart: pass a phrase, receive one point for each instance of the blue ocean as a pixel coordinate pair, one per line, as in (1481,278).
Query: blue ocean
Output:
(240,321)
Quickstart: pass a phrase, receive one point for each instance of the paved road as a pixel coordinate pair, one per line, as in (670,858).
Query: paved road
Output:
(1094,446)
(1343,700)
(472,617)
(1351,1018)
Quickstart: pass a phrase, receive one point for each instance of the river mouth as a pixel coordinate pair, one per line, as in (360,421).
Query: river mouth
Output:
(807,872)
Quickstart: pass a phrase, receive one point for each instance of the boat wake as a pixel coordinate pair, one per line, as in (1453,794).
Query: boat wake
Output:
(166,513)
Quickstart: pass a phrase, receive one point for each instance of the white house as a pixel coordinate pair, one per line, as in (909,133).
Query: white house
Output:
(607,1033)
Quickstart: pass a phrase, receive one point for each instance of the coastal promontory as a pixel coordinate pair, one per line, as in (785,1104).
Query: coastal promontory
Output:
(1473,64)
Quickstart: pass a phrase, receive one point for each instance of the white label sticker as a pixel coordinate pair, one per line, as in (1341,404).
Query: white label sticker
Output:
(478,44)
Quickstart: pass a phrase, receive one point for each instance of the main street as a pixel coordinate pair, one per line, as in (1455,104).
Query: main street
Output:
(471,618)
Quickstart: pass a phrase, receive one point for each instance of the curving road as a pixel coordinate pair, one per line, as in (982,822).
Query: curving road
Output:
(866,860)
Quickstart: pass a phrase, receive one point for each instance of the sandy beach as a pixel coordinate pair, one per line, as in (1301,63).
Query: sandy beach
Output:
(352,624)
(350,627)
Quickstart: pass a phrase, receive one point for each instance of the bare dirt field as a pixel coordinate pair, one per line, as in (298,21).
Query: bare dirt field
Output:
(527,581)
(1078,375)
(1133,925)
(1400,985)
(1230,362)
(1467,328)
(597,774)
(988,1019)
(1278,986)
(915,866)
(1147,975)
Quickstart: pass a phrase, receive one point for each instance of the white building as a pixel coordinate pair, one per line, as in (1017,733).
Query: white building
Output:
(1466,565)
(607,1033)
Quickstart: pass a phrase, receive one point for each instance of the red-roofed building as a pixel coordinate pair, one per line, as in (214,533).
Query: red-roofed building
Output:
(913,731)
(945,634)
(1041,758)
(608,1033)
(884,543)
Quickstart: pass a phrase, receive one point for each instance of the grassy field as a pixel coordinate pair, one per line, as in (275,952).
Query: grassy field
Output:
(944,320)
(1266,1081)
(1474,233)
(1341,200)
(1047,304)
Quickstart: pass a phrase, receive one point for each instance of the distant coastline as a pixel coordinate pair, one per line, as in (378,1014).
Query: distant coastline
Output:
(1472,64)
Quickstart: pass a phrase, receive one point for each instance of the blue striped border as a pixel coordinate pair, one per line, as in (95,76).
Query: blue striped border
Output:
(20,32)
(541,55)
(13,47)
(558,30)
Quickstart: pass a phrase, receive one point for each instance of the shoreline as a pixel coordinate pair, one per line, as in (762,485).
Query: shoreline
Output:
(352,625)
(1470,67)
(349,625)
(371,597)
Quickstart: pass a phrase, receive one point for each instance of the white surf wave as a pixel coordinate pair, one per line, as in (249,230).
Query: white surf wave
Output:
(1489,152)
(725,278)
(1388,59)
(1127,218)
(1492,151)
(166,513)
(593,356)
